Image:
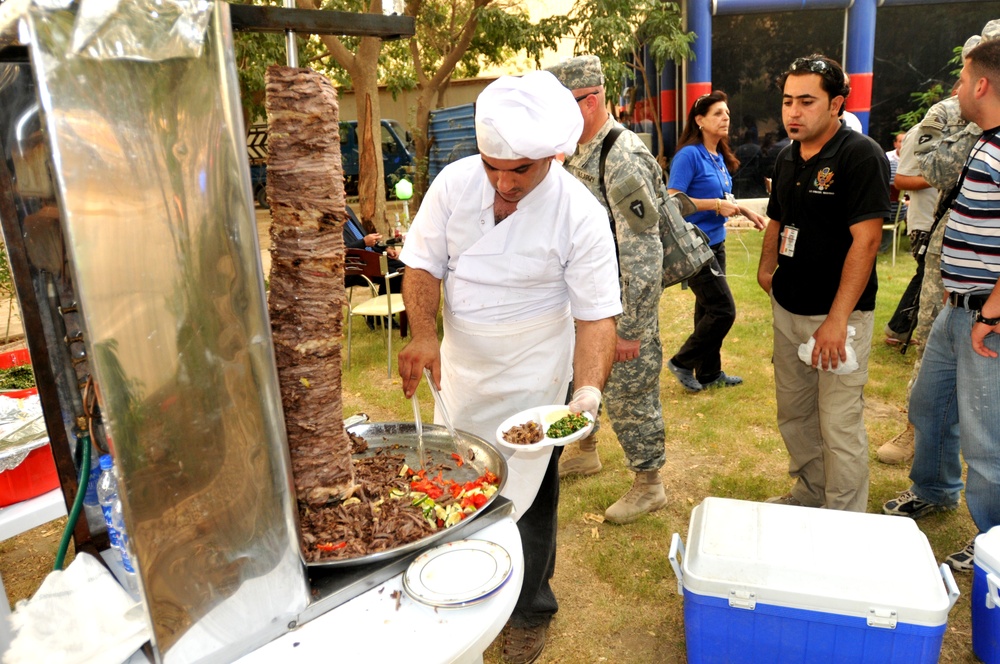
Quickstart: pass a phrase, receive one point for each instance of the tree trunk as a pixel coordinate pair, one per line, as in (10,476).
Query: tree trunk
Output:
(371,175)
(422,149)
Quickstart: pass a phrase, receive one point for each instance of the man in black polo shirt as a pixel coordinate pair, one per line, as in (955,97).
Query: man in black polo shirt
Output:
(830,195)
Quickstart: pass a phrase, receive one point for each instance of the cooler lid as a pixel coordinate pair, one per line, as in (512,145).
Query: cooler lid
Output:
(988,550)
(815,559)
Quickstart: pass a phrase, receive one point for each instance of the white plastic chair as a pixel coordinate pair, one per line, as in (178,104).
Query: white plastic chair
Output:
(373,267)
(895,224)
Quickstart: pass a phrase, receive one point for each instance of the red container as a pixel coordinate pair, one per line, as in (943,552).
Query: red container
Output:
(34,476)
(11,359)
(37,474)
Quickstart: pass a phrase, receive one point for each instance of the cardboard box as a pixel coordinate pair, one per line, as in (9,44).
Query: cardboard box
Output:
(985,598)
(770,583)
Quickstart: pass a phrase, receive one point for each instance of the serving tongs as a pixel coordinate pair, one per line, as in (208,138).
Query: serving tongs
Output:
(420,430)
(440,404)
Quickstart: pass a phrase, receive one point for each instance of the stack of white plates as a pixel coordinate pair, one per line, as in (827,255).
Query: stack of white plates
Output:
(458,574)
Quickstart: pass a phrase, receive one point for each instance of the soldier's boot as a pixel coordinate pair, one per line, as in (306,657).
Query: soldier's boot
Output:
(586,462)
(899,449)
(646,495)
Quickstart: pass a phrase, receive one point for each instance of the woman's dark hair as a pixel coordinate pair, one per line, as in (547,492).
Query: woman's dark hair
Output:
(833,80)
(692,132)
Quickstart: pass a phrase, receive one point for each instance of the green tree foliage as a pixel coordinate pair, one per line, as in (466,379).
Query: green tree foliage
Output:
(454,38)
(924,99)
(619,31)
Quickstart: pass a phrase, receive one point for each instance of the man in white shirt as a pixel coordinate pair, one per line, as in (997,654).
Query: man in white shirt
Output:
(527,262)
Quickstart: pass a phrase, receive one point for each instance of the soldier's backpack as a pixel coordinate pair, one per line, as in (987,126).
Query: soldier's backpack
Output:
(685,246)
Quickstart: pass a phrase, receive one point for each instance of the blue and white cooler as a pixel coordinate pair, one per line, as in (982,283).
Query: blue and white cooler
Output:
(777,583)
(986,597)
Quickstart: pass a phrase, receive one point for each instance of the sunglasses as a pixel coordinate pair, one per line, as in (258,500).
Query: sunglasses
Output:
(584,96)
(815,66)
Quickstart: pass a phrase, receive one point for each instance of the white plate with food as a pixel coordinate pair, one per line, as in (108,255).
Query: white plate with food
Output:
(458,574)
(543,426)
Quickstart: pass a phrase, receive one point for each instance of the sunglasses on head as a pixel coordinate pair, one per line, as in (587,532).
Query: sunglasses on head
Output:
(809,64)
(584,96)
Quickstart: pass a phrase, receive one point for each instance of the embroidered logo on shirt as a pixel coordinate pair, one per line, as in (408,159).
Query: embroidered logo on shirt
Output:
(824,179)
(637,208)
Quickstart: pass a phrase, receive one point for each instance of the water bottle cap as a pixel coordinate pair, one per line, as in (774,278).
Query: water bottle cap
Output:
(107,462)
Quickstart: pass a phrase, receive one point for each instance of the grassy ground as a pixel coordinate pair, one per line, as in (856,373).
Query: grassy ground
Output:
(618,596)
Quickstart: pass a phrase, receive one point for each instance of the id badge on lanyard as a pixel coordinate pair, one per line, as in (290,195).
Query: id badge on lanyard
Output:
(789,234)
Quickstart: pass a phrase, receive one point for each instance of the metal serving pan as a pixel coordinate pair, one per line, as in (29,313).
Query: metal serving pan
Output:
(401,437)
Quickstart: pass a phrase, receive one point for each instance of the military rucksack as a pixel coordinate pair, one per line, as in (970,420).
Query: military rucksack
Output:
(685,246)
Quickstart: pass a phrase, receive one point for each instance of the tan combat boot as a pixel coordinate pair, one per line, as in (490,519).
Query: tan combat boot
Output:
(585,462)
(646,495)
(899,449)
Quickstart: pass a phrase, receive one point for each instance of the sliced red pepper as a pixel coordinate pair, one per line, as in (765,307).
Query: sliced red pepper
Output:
(456,490)
(326,546)
(478,500)
(458,459)
(425,486)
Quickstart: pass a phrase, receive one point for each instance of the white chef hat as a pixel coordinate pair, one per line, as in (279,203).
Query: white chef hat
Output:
(528,117)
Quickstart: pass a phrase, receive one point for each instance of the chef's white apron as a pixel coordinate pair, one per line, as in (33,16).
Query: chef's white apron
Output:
(492,371)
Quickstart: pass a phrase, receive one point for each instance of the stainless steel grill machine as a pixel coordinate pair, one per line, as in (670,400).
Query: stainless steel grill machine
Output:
(127,213)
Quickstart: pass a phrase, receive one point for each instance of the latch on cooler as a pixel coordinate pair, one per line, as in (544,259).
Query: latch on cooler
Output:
(742,599)
(884,618)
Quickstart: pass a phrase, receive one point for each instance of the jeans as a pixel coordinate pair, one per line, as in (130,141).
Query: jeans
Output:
(714,315)
(905,317)
(956,403)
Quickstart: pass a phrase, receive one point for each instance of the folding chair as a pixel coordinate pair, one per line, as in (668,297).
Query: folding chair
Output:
(374,268)
(895,224)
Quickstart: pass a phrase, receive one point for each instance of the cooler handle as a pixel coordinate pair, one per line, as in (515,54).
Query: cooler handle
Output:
(950,585)
(677,545)
(992,596)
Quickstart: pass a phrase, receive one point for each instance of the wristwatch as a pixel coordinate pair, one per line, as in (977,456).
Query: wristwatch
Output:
(992,322)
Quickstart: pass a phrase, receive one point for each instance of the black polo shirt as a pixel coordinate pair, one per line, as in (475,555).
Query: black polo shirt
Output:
(845,183)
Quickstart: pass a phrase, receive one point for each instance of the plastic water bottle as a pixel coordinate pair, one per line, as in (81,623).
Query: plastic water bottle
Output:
(107,494)
(118,523)
(91,506)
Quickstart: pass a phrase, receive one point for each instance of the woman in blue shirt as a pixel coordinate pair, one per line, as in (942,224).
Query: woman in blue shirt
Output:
(701,169)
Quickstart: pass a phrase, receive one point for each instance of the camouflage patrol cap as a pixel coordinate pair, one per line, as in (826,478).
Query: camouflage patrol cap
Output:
(990,32)
(583,71)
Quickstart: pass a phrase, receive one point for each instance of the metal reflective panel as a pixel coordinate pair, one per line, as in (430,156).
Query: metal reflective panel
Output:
(150,168)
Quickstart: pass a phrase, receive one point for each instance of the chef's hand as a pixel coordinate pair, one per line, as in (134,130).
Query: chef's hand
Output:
(586,398)
(626,349)
(416,355)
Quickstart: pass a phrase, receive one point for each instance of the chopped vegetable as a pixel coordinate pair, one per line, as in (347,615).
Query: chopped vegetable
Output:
(564,426)
(326,546)
(17,378)
(458,459)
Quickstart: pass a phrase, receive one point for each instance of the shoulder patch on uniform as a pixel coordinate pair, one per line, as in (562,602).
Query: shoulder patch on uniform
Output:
(637,208)
(924,138)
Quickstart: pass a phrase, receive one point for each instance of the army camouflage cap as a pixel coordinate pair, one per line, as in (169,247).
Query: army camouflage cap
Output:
(583,71)
(990,32)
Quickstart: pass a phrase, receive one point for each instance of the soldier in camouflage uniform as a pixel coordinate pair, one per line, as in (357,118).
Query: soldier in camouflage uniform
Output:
(943,144)
(634,185)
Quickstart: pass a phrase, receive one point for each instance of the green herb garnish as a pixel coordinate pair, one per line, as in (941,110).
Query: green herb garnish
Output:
(564,426)
(17,378)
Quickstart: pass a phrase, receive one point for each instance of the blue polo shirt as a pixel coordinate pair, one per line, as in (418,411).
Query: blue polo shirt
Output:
(700,174)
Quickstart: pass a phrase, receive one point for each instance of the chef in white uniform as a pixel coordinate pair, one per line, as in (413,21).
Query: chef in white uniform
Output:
(530,278)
